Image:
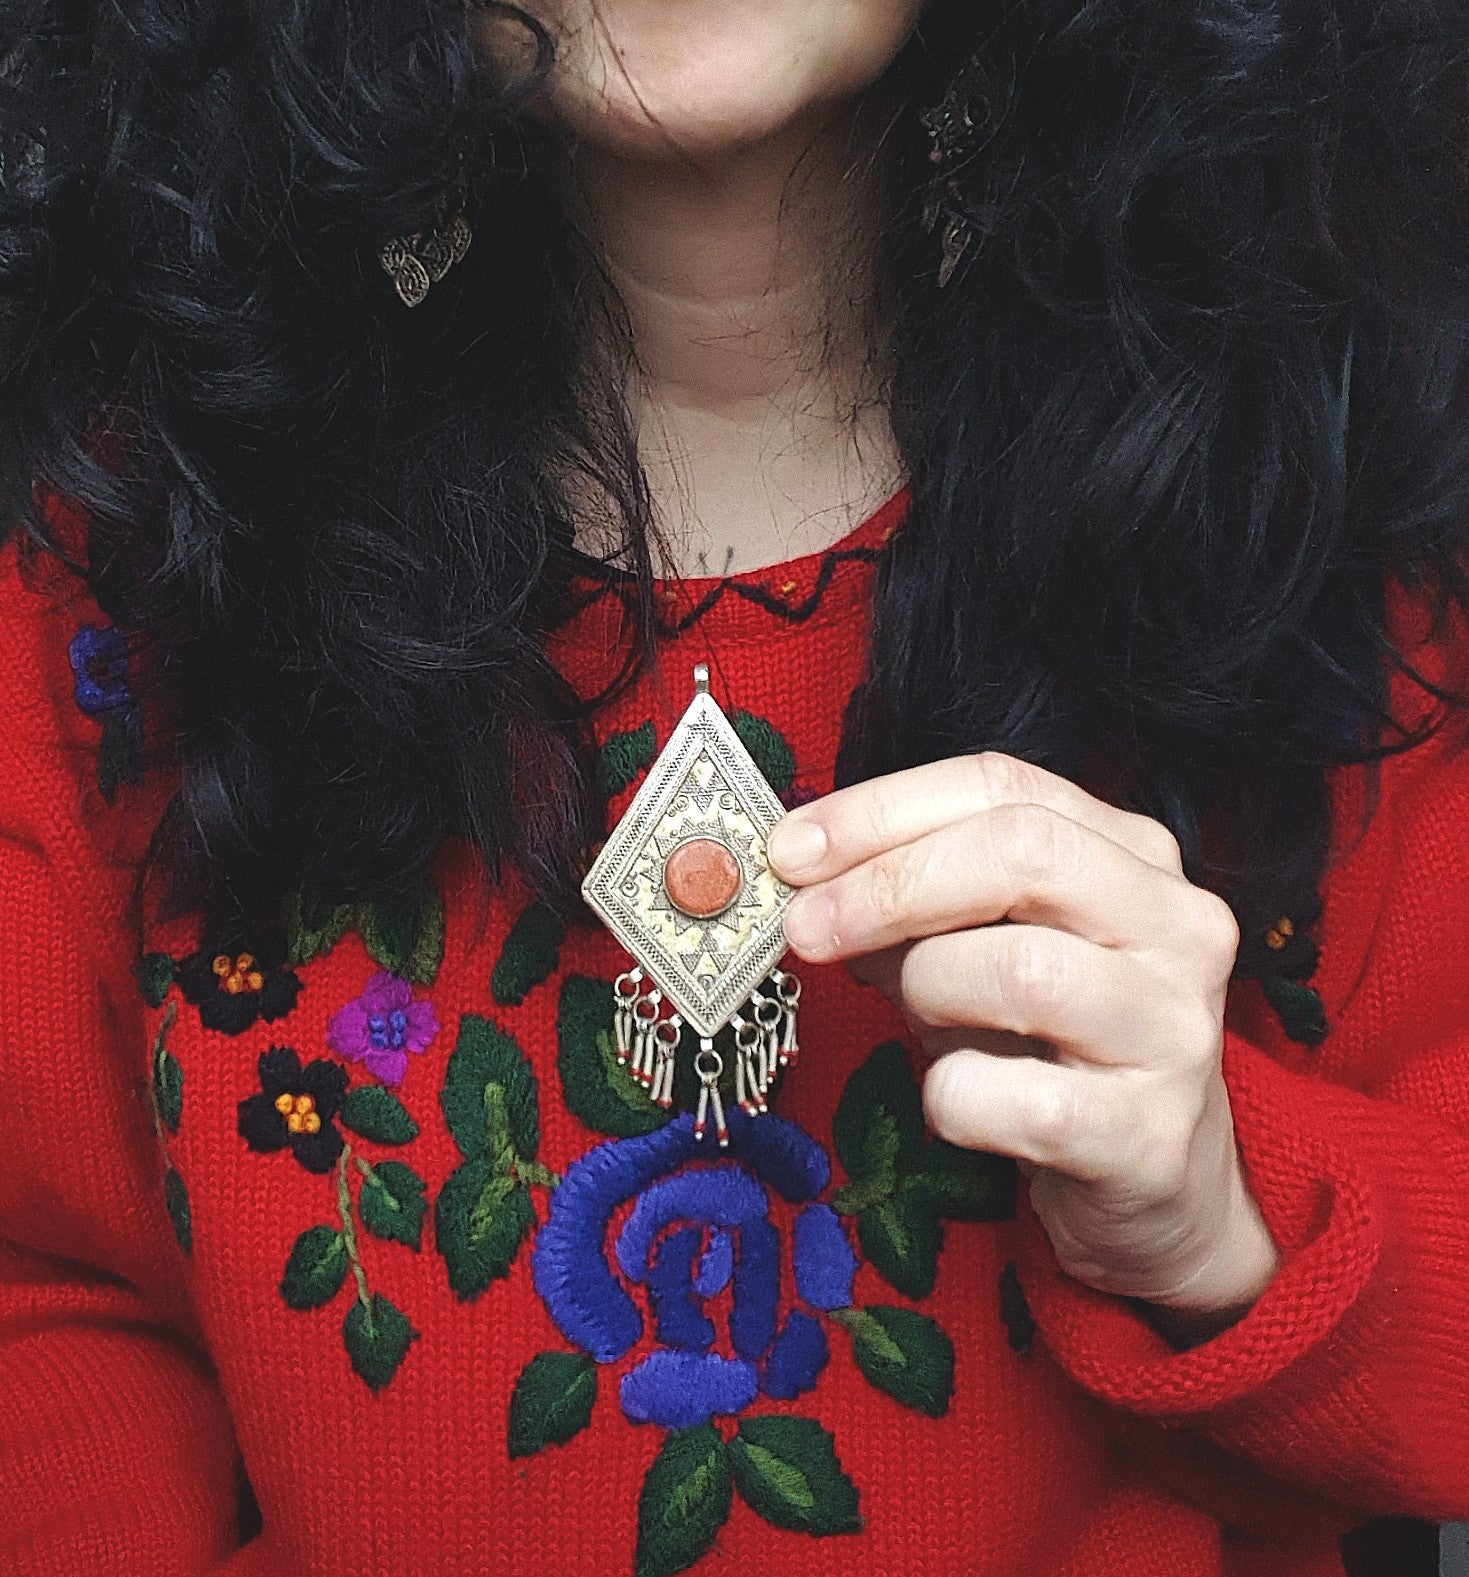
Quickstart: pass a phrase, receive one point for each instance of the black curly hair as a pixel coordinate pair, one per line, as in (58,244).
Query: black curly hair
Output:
(1198,383)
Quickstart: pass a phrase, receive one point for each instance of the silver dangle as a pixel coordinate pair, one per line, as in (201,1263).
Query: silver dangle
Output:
(709,1065)
(767,1017)
(750,1081)
(645,1014)
(788,989)
(625,990)
(666,1035)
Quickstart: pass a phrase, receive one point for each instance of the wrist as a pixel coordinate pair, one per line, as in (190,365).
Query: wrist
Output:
(1226,1287)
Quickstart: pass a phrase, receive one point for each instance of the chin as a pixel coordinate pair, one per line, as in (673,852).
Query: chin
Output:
(692,79)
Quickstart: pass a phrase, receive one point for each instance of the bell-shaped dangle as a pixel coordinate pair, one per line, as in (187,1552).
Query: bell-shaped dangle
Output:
(709,1065)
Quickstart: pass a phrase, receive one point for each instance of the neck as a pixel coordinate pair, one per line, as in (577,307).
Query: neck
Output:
(756,392)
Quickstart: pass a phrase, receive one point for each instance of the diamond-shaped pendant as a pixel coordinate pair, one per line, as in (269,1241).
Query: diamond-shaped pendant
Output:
(683,883)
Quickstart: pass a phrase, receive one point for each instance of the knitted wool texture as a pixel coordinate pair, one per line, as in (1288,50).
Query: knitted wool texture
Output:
(383,1343)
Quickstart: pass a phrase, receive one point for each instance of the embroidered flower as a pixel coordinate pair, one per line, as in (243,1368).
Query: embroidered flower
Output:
(99,660)
(234,982)
(99,663)
(692,1233)
(296,1107)
(382,1026)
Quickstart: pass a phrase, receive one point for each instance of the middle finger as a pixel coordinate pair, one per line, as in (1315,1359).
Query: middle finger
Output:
(1021,862)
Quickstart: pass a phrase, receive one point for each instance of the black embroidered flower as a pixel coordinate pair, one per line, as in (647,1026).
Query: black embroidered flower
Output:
(234,982)
(1282,949)
(297,1106)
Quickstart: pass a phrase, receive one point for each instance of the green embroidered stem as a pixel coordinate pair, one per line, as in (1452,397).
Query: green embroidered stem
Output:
(504,1159)
(857,1197)
(500,1147)
(349,1227)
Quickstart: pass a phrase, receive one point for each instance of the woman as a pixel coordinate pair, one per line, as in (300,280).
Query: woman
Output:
(1046,422)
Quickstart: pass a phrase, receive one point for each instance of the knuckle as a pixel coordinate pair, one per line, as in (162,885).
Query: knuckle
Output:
(880,811)
(1055,1120)
(1037,845)
(1200,1041)
(890,889)
(1161,1166)
(1218,929)
(1033,972)
(1163,848)
(1006,779)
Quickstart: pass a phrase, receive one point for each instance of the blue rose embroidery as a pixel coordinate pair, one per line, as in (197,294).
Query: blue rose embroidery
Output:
(669,1259)
(691,1234)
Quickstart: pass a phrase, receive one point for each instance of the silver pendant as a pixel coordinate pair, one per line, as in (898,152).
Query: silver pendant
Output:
(683,883)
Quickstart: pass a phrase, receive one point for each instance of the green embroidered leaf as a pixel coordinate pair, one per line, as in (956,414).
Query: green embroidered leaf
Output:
(481,1218)
(769,748)
(316,1269)
(176,1201)
(685,1501)
(787,1469)
(878,1126)
(553,1401)
(903,1353)
(378,1337)
(1301,1011)
(168,1076)
(406,938)
(378,1114)
(489,1096)
(392,1202)
(1020,1325)
(902,1239)
(965,1185)
(624,756)
(168,1090)
(531,953)
(312,925)
(154,972)
(597,1088)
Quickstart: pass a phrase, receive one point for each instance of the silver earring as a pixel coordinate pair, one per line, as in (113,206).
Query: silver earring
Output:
(418,260)
(953,126)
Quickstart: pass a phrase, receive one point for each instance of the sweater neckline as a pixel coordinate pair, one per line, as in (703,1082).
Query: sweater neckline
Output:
(826,584)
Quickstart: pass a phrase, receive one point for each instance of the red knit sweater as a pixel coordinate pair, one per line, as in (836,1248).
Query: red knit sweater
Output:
(367,1205)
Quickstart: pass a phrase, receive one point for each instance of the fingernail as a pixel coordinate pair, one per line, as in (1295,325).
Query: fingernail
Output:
(808,925)
(795,846)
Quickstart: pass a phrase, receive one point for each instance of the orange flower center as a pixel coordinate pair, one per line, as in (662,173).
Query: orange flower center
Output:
(300,1113)
(1275,937)
(238,975)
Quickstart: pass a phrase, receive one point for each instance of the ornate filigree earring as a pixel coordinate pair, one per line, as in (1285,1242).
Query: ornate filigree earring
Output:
(422,258)
(954,125)
(683,883)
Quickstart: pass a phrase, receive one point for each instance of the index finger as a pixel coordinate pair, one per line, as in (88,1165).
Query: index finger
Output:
(818,841)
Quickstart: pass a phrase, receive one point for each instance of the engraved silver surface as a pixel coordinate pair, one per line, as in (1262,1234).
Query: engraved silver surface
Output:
(704,784)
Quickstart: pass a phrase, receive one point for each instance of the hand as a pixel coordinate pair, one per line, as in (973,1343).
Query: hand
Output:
(1091,1028)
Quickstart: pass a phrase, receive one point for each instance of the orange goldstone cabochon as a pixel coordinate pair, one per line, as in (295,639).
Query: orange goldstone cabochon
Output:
(702,877)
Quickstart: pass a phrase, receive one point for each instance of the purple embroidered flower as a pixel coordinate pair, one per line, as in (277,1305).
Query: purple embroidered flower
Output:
(693,1231)
(296,1107)
(99,661)
(382,1026)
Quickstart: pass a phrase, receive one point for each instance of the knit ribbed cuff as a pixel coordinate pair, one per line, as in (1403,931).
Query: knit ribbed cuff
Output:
(1323,1216)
